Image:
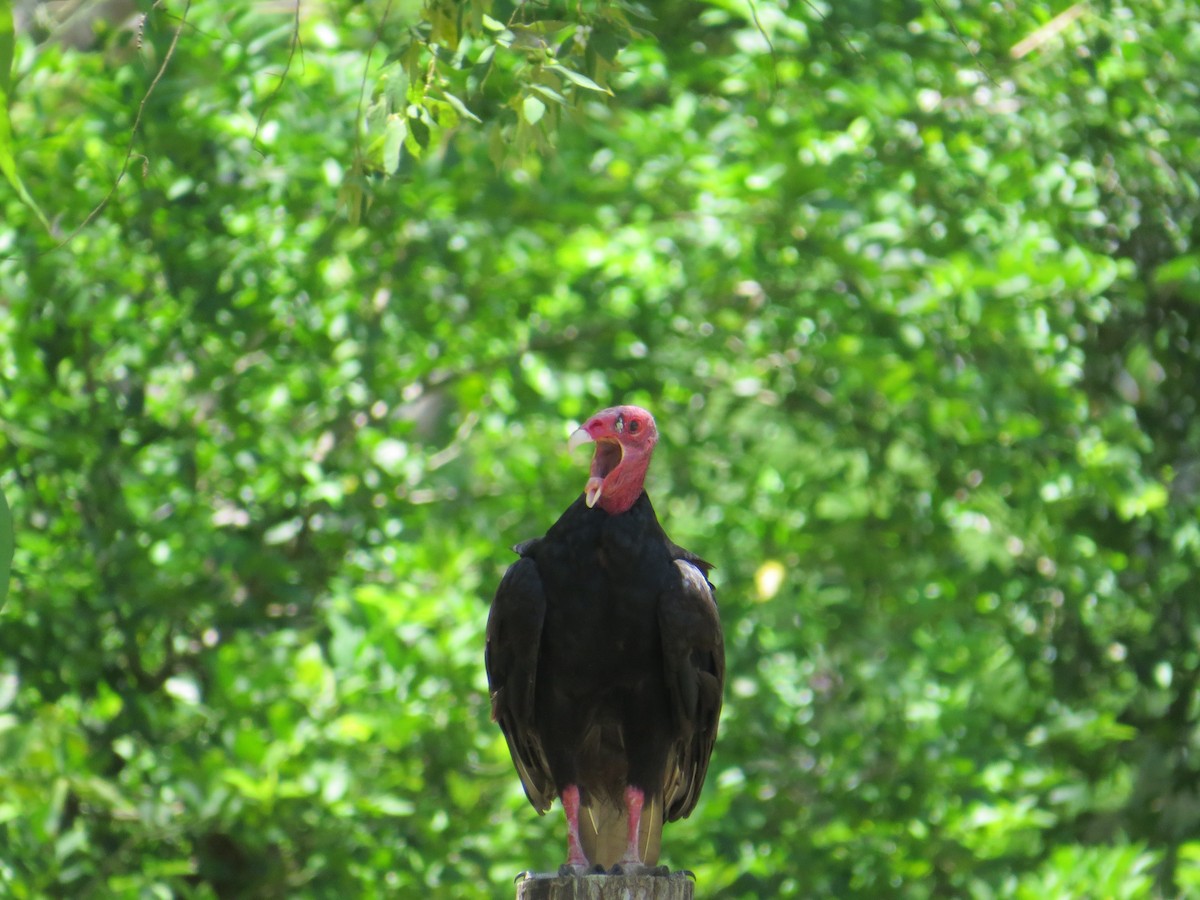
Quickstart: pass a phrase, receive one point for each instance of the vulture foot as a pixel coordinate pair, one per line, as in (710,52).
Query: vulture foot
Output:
(574,870)
(634,868)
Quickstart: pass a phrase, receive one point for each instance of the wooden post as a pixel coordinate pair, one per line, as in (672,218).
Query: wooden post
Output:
(676,886)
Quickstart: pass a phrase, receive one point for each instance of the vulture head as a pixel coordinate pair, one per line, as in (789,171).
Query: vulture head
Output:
(625,437)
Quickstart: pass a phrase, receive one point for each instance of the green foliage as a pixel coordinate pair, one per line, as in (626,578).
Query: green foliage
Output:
(7,161)
(6,547)
(525,72)
(1071,871)
(911,288)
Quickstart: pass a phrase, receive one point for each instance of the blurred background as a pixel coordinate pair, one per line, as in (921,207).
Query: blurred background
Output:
(911,286)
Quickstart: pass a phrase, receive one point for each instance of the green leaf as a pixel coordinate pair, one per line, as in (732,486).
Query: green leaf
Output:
(419,131)
(1182,272)
(183,689)
(460,107)
(578,78)
(397,131)
(8,162)
(533,109)
(7,39)
(1177,269)
(550,94)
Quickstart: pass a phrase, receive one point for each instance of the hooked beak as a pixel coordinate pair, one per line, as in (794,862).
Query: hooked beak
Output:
(578,438)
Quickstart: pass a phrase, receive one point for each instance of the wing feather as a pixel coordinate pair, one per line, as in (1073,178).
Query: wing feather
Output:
(694,666)
(514,636)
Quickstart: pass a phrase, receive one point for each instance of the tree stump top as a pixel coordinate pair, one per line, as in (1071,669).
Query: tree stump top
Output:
(676,886)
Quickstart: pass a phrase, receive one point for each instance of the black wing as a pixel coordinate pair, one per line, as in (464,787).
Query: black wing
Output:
(514,634)
(694,666)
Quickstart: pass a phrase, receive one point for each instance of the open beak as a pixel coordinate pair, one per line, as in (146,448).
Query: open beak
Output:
(608,456)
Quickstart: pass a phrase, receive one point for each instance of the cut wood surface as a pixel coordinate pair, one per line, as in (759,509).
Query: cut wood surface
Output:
(676,886)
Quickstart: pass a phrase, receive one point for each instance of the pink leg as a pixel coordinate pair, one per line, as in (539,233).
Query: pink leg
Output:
(570,802)
(634,799)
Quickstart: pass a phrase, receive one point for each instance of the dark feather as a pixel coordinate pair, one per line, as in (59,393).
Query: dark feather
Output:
(694,663)
(514,632)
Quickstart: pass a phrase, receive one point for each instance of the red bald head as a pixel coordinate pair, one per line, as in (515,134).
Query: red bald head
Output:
(625,437)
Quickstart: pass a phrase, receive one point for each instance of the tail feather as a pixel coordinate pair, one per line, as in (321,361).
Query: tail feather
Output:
(603,830)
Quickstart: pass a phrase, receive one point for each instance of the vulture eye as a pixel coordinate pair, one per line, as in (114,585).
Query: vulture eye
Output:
(634,426)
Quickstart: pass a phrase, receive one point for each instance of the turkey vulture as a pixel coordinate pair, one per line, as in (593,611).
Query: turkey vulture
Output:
(605,660)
